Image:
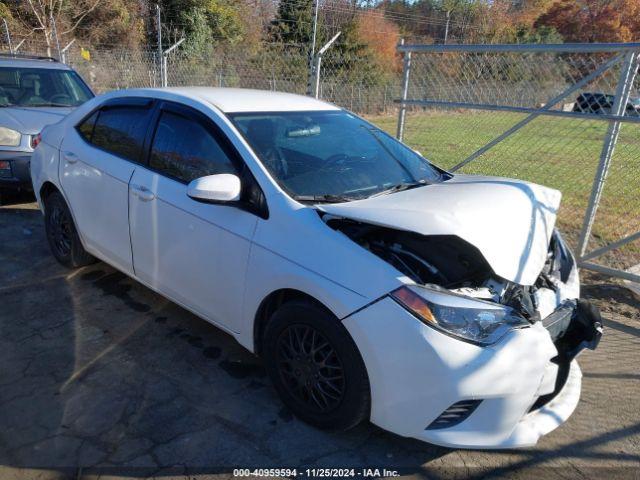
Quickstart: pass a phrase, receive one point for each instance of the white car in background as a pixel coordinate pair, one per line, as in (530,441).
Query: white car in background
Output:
(373,284)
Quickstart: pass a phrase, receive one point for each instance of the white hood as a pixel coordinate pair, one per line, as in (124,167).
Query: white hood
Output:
(31,120)
(509,221)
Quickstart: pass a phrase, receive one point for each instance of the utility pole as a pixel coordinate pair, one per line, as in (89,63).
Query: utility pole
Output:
(315,27)
(8,35)
(159,29)
(446,28)
(312,53)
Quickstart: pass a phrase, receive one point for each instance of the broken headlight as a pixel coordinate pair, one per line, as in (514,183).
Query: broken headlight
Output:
(468,319)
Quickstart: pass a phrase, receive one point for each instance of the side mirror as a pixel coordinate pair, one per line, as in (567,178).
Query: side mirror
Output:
(223,187)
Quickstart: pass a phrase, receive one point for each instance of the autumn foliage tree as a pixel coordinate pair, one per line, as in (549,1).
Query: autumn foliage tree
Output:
(369,27)
(381,36)
(594,20)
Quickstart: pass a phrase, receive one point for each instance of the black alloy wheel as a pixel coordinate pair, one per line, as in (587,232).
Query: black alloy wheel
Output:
(60,230)
(61,233)
(315,366)
(310,368)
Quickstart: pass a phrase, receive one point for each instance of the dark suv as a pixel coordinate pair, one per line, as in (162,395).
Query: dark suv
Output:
(602,103)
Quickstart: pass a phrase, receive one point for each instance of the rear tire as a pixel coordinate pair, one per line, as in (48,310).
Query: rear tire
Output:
(316,367)
(62,235)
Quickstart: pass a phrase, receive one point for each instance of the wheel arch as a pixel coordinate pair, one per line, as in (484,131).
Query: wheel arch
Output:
(47,188)
(271,303)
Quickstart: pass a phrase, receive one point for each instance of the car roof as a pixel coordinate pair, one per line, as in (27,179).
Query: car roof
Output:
(28,62)
(235,100)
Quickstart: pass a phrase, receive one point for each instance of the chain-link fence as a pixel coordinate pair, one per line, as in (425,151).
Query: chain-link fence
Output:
(564,116)
(548,114)
(272,68)
(106,70)
(360,84)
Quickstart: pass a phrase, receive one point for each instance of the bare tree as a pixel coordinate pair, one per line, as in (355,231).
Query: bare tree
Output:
(52,20)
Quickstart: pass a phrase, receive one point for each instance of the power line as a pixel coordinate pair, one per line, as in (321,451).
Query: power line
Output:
(382,13)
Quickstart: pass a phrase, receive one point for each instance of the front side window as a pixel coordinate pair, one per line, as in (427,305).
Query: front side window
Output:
(41,87)
(185,150)
(121,131)
(332,155)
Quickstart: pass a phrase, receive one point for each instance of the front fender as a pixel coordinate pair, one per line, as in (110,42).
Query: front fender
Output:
(268,272)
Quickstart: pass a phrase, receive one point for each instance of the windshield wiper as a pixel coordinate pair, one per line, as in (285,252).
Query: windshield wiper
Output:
(328,198)
(400,187)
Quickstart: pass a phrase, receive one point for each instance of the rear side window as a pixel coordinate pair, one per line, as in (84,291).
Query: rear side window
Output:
(185,150)
(121,131)
(85,129)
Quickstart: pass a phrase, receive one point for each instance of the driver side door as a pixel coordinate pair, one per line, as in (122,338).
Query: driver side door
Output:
(193,252)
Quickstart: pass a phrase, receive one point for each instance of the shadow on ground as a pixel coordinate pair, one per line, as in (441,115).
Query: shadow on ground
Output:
(101,375)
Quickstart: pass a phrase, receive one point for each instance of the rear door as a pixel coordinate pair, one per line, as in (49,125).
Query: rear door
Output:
(97,159)
(195,253)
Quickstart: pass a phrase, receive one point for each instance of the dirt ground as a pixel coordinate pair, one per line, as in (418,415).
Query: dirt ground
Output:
(102,378)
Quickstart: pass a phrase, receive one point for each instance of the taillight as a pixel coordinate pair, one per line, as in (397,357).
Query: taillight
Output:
(35,140)
(5,169)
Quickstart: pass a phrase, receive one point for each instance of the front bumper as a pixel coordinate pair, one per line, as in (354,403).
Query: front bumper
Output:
(18,175)
(526,385)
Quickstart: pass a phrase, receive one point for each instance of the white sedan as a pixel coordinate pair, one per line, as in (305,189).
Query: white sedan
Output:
(373,284)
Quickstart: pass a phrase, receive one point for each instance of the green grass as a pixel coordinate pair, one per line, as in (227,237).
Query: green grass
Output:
(558,152)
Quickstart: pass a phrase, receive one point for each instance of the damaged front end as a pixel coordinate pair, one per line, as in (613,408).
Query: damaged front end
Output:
(447,266)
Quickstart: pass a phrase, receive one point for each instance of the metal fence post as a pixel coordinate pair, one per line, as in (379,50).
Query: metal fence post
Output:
(165,62)
(164,71)
(318,63)
(623,91)
(159,32)
(63,52)
(316,75)
(311,75)
(406,71)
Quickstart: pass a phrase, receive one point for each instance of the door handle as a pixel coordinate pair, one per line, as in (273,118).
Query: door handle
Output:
(143,193)
(70,157)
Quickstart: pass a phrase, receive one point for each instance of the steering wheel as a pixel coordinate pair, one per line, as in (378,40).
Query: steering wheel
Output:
(337,159)
(60,98)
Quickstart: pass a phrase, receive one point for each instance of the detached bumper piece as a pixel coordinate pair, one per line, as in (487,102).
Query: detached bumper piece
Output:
(574,326)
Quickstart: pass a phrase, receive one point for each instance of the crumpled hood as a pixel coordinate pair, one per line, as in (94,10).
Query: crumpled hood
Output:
(31,120)
(509,221)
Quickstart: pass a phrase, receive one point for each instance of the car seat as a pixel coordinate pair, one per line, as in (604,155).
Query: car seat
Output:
(30,86)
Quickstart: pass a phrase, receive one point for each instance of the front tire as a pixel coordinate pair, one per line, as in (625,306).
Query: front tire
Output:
(316,367)
(62,235)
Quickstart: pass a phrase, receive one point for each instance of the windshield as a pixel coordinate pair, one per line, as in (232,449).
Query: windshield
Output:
(332,155)
(41,87)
